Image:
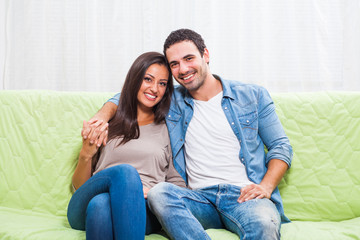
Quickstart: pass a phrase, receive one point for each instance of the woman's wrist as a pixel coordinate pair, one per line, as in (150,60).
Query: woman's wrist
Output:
(84,156)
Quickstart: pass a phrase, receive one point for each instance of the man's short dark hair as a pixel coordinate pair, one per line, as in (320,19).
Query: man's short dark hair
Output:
(185,35)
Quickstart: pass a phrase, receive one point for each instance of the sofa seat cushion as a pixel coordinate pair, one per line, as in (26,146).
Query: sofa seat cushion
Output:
(19,224)
(24,224)
(307,230)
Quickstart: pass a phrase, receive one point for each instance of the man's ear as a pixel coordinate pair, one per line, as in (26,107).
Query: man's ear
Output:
(206,55)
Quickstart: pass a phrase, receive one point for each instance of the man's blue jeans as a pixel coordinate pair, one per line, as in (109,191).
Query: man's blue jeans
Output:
(185,213)
(111,205)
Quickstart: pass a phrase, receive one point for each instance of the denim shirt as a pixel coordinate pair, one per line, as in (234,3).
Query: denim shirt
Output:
(251,114)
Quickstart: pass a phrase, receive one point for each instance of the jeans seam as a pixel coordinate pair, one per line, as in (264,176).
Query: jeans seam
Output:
(234,221)
(190,213)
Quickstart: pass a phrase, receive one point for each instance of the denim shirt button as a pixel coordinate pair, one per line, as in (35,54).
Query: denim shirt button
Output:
(232,123)
(169,116)
(225,108)
(247,121)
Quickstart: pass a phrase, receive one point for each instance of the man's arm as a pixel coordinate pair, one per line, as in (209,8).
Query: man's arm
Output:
(279,156)
(99,135)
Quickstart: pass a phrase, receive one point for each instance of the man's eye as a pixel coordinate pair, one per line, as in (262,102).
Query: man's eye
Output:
(173,65)
(188,58)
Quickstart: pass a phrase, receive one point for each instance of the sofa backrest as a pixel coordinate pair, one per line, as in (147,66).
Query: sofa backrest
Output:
(324,130)
(40,141)
(39,145)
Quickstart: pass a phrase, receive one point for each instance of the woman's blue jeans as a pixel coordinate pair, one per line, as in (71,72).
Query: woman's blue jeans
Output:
(111,205)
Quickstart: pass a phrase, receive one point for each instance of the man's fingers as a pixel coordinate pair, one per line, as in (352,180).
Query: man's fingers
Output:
(96,133)
(101,138)
(88,125)
(252,192)
(103,135)
(106,137)
(96,124)
(104,127)
(91,121)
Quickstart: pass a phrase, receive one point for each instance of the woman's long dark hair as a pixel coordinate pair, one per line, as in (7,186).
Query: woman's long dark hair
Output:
(125,124)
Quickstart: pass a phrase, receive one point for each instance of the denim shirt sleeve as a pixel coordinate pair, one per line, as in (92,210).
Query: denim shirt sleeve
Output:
(271,130)
(115,99)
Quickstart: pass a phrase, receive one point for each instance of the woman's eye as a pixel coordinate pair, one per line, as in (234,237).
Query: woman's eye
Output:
(163,84)
(147,79)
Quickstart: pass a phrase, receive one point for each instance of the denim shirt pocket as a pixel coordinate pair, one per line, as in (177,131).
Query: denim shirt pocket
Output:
(172,119)
(249,125)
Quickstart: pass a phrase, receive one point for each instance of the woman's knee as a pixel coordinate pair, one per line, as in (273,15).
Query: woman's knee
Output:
(99,206)
(125,173)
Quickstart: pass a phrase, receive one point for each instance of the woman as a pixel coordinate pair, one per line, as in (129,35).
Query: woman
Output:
(110,198)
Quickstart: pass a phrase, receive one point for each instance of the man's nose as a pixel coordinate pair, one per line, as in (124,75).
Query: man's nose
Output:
(183,69)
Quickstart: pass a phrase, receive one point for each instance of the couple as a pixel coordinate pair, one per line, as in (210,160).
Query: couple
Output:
(217,129)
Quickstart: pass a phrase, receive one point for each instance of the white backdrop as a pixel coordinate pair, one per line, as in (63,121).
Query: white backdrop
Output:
(88,45)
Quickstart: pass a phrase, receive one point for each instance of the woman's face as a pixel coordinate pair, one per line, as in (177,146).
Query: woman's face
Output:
(153,86)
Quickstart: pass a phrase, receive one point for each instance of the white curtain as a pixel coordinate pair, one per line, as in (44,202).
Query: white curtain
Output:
(89,45)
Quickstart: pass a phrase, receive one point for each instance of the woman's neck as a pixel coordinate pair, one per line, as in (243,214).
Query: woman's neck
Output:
(145,118)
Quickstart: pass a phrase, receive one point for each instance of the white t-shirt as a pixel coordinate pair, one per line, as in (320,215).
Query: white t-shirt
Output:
(211,148)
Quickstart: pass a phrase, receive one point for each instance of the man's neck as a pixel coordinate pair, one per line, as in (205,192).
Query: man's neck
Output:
(208,90)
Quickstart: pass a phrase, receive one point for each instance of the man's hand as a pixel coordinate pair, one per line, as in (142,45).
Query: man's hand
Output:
(272,178)
(99,134)
(253,191)
(100,122)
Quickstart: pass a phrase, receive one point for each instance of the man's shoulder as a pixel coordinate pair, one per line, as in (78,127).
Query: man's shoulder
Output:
(178,98)
(240,89)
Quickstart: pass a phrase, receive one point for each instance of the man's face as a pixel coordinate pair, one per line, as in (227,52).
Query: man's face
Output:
(186,64)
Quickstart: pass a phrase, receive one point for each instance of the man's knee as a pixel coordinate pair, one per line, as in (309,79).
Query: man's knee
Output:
(158,192)
(159,196)
(267,220)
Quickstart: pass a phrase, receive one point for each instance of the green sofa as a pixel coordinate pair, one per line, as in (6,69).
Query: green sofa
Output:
(40,141)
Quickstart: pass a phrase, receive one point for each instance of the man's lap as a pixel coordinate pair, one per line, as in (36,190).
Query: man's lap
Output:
(216,206)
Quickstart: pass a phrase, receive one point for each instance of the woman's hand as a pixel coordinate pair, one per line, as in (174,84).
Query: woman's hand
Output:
(90,147)
(100,120)
(83,169)
(145,190)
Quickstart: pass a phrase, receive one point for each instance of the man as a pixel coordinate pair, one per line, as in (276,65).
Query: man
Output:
(218,130)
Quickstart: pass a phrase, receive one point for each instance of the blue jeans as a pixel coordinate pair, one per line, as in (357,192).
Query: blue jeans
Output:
(111,205)
(185,213)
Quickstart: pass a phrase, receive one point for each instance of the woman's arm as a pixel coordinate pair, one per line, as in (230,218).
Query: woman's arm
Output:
(83,169)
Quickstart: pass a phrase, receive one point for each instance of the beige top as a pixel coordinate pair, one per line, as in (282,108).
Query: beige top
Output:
(150,154)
